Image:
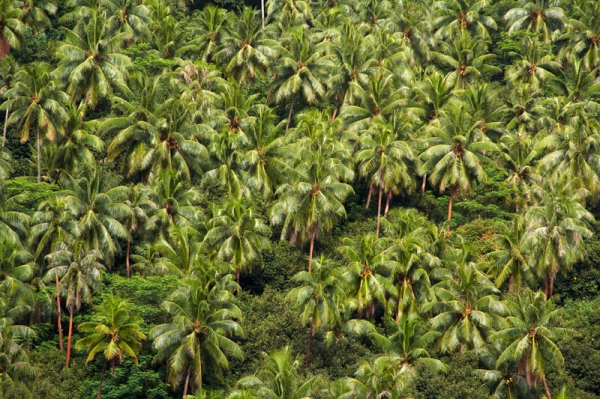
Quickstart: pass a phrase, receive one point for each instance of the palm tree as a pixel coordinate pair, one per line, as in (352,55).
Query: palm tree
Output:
(197,337)
(150,259)
(455,160)
(128,16)
(502,380)
(35,13)
(540,16)
(313,202)
(537,64)
(13,222)
(468,309)
(301,70)
(317,297)
(386,162)
(16,270)
(278,379)
(238,236)
(208,31)
(556,228)
(114,332)
(245,53)
(79,274)
(90,61)
(367,271)
(11,27)
(458,16)
(583,31)
(141,207)
(36,102)
(381,379)
(7,71)
(529,336)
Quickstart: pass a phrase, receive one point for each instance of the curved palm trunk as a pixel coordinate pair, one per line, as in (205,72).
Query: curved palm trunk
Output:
(39,157)
(452,194)
(69,337)
(378,212)
(552,277)
(546,388)
(262,12)
(387,203)
(547,285)
(187,382)
(271,90)
(101,379)
(423,184)
(310,252)
(339,105)
(287,126)
(238,273)
(511,283)
(127,258)
(369,196)
(312,332)
(58,311)
(5,126)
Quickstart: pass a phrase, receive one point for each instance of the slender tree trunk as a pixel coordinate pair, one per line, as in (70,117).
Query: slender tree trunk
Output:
(5,126)
(423,184)
(287,126)
(101,379)
(69,337)
(339,105)
(546,388)
(127,258)
(378,212)
(546,285)
(552,277)
(387,203)
(262,12)
(398,307)
(310,252)
(187,382)
(511,283)
(39,156)
(369,196)
(238,273)
(58,311)
(271,90)
(310,336)
(452,193)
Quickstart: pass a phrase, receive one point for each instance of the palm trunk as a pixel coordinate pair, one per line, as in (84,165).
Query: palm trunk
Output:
(312,331)
(339,105)
(262,12)
(271,90)
(5,126)
(511,283)
(452,194)
(238,273)
(387,203)
(58,311)
(127,258)
(187,382)
(378,212)
(69,337)
(369,196)
(552,277)
(287,126)
(546,388)
(310,252)
(546,285)
(101,379)
(398,307)
(423,184)
(39,156)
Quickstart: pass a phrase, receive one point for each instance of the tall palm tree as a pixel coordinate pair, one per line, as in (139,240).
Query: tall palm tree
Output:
(16,270)
(459,150)
(381,378)
(203,317)
(11,26)
(139,221)
(238,236)
(537,64)
(468,309)
(457,16)
(583,30)
(36,103)
(128,16)
(114,332)
(208,31)
(529,337)
(79,274)
(13,222)
(90,61)
(367,270)
(314,201)
(317,297)
(278,379)
(540,16)
(35,13)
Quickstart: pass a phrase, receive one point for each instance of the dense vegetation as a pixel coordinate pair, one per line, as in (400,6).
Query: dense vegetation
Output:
(345,199)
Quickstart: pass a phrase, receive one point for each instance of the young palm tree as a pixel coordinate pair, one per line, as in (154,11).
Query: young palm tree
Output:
(277,379)
(114,332)
(36,103)
(382,379)
(238,236)
(90,61)
(318,297)
(79,274)
(530,335)
(457,16)
(367,271)
(208,31)
(197,337)
(11,27)
(537,64)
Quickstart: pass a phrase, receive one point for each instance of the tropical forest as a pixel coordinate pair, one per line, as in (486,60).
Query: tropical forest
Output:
(300,199)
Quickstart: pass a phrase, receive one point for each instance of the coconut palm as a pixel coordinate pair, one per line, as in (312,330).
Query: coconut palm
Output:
(36,103)
(529,337)
(208,31)
(199,84)
(168,33)
(318,297)
(114,332)
(457,16)
(540,16)
(13,222)
(16,270)
(238,236)
(583,31)
(501,380)
(11,26)
(128,16)
(537,64)
(142,208)
(90,61)
(150,259)
(367,270)
(382,379)
(203,317)
(35,13)
(468,309)
(79,274)
(459,150)
(278,379)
